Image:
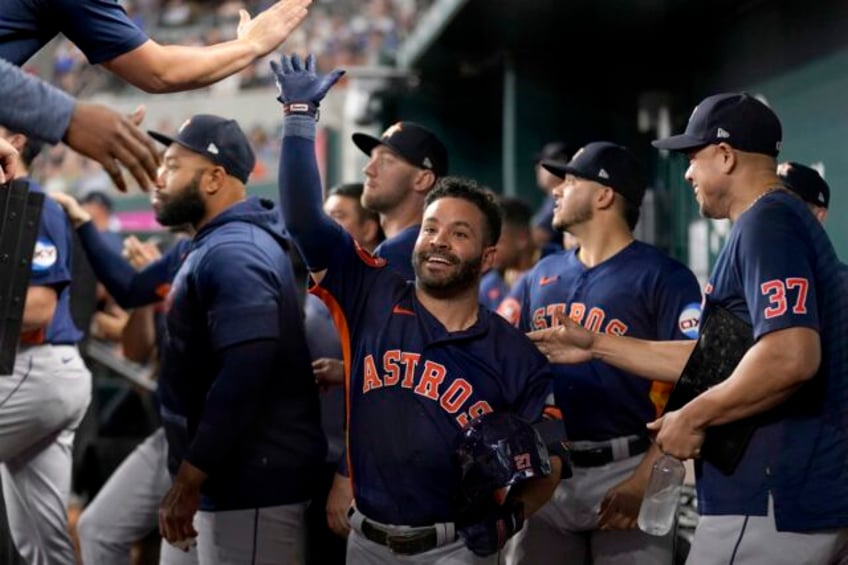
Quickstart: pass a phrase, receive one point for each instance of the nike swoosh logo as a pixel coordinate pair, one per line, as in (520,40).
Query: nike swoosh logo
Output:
(66,360)
(398,309)
(548,280)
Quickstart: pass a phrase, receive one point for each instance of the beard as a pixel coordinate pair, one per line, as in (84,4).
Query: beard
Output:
(446,285)
(184,207)
(572,218)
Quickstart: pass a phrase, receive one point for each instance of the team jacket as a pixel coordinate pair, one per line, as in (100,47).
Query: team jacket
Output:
(236,285)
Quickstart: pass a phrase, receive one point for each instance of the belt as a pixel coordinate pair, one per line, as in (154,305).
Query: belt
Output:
(597,454)
(412,542)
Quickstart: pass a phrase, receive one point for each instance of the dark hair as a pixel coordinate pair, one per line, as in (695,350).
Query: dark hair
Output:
(515,211)
(470,190)
(98,197)
(354,190)
(31,149)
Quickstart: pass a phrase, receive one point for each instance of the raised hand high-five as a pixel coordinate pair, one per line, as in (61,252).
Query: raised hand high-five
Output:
(301,88)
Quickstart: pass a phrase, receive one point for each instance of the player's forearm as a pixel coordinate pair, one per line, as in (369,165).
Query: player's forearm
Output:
(300,194)
(536,492)
(158,68)
(232,403)
(32,106)
(128,287)
(769,373)
(653,360)
(138,338)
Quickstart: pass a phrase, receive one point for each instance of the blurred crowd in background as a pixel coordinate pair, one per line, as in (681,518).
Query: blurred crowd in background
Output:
(342,33)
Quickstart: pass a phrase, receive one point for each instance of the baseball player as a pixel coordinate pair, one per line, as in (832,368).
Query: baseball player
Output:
(344,205)
(44,400)
(239,401)
(516,253)
(403,166)
(807,183)
(421,360)
(610,284)
(787,501)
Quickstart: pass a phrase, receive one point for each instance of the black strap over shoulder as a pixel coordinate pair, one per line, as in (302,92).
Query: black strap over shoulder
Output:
(20,213)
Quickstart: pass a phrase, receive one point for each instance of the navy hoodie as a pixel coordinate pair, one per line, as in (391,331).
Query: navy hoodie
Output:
(257,436)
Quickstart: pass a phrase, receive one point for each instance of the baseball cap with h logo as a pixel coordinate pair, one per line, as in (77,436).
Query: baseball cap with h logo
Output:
(738,119)
(218,139)
(416,144)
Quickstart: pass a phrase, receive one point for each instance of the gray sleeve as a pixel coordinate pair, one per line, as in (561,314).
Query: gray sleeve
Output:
(31,106)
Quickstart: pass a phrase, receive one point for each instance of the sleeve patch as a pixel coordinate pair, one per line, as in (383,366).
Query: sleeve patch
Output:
(44,256)
(690,320)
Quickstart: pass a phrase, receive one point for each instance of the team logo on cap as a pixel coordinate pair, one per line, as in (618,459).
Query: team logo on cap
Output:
(44,256)
(690,320)
(184,125)
(393,129)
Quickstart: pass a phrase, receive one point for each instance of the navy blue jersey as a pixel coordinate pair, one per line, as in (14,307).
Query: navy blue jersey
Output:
(262,439)
(778,270)
(51,266)
(640,292)
(397,251)
(100,28)
(493,289)
(412,386)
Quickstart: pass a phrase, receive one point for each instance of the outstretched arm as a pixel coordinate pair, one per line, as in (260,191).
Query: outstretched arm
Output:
(571,343)
(159,68)
(301,91)
(129,288)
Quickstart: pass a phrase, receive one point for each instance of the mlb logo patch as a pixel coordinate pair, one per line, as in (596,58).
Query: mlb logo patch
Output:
(689,320)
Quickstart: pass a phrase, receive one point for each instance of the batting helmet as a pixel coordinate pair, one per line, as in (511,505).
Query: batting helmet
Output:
(492,453)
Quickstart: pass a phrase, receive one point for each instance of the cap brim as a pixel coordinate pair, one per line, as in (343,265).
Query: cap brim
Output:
(366,143)
(556,168)
(682,142)
(161,137)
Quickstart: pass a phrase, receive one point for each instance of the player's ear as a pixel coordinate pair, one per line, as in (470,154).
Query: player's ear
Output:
(728,157)
(605,197)
(488,260)
(423,181)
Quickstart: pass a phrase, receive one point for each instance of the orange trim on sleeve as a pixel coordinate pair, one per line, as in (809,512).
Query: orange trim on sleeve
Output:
(340,321)
(367,258)
(552,412)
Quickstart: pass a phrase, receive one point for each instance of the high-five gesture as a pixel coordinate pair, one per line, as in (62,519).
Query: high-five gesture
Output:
(301,88)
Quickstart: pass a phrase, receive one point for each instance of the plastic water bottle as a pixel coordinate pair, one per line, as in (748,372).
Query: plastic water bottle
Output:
(659,507)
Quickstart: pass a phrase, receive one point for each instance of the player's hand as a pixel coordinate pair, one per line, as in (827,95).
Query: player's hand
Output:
(113,139)
(338,503)
(567,343)
(298,82)
(139,253)
(177,509)
(7,161)
(328,372)
(272,27)
(76,213)
(620,506)
(490,535)
(677,435)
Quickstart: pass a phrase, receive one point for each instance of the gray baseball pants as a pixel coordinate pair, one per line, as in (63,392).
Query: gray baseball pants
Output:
(41,405)
(126,508)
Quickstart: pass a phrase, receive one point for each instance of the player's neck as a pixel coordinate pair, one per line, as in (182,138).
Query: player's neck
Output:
(598,245)
(407,214)
(457,313)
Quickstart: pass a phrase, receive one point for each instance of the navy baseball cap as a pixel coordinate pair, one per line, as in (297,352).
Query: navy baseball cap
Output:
(416,144)
(738,119)
(805,182)
(218,139)
(608,164)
